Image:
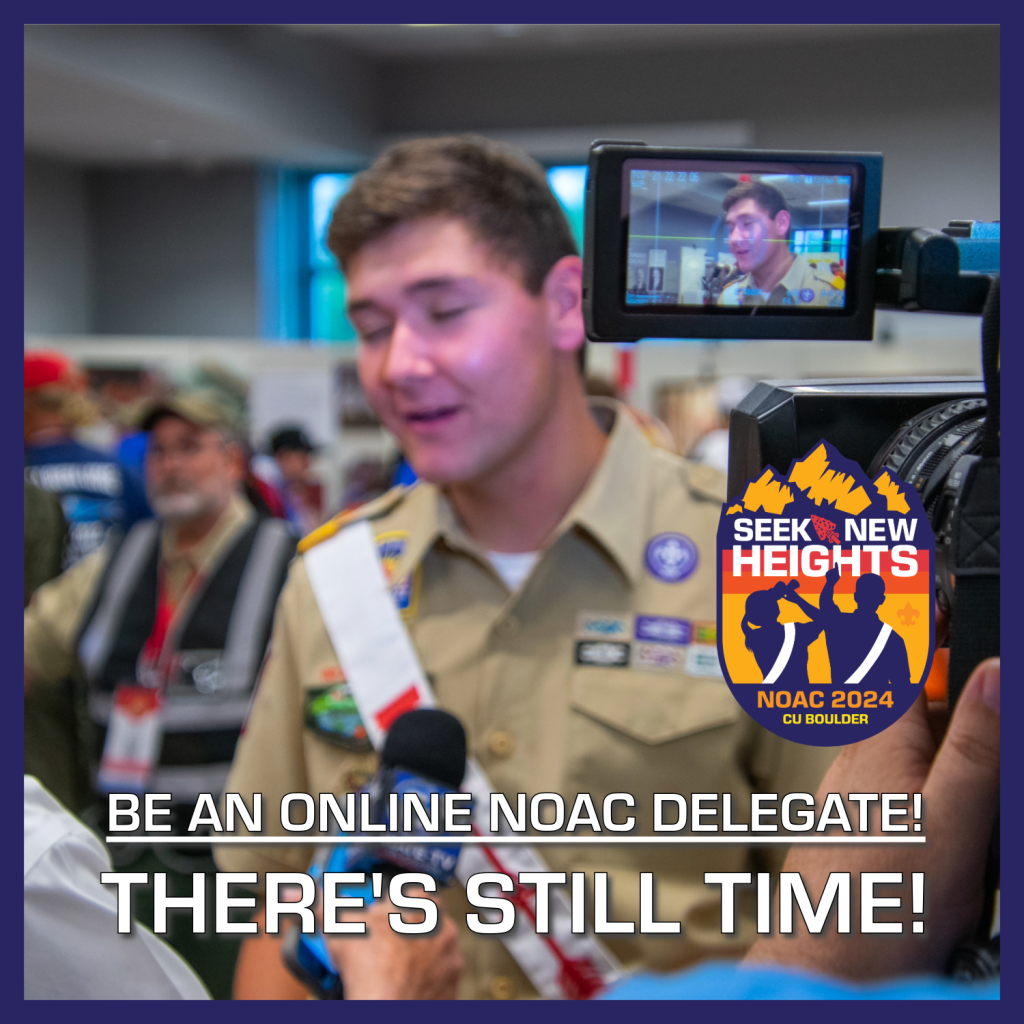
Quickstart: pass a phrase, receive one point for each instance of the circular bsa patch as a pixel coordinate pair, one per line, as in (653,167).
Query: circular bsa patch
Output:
(825,599)
(806,294)
(670,557)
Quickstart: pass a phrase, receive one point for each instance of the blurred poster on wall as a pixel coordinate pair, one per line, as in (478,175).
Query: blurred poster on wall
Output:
(309,400)
(356,410)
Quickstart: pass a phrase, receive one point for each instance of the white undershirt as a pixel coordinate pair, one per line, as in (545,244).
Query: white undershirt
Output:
(513,568)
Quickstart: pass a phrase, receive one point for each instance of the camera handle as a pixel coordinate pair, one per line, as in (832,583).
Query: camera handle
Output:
(974,628)
(974,625)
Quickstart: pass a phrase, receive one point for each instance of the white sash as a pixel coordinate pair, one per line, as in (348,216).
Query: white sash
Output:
(876,650)
(385,678)
(789,631)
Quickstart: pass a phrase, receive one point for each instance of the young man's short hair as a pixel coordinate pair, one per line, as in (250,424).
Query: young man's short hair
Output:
(500,193)
(768,197)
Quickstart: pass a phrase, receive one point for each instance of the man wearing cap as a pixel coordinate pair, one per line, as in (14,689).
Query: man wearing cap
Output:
(557,581)
(96,491)
(303,498)
(168,624)
(91,494)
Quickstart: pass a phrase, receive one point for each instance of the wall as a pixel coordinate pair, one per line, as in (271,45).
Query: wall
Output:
(927,99)
(162,251)
(59,268)
(175,252)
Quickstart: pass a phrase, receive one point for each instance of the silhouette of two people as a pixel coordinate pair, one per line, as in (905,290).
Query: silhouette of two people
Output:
(861,648)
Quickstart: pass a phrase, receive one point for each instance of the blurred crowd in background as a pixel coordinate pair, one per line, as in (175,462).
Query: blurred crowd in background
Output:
(90,417)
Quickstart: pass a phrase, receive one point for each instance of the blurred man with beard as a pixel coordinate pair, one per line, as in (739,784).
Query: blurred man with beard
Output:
(167,625)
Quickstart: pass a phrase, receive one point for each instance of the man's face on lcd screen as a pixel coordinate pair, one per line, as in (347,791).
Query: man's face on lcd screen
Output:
(753,234)
(456,356)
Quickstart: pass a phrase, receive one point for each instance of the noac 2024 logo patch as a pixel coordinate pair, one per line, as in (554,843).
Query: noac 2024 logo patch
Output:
(825,599)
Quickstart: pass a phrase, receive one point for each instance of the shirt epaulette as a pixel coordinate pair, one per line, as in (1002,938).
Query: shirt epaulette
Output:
(371,510)
(706,481)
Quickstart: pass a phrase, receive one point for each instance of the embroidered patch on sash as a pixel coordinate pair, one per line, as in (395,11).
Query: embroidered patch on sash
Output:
(331,713)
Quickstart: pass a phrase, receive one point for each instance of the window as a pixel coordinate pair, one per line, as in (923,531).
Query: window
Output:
(327,320)
(569,185)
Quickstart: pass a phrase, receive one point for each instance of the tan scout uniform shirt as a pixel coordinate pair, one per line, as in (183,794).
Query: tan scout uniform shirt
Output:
(537,720)
(800,286)
(55,617)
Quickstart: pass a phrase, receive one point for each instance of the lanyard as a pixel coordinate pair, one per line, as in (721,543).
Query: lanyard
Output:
(156,660)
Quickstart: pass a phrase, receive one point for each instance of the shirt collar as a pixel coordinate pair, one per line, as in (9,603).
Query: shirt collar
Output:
(613,506)
(601,511)
(237,515)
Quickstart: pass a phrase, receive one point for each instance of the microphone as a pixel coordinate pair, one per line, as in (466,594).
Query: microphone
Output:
(424,753)
(430,742)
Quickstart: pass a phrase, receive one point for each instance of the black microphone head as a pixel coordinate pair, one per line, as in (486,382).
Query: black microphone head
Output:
(429,742)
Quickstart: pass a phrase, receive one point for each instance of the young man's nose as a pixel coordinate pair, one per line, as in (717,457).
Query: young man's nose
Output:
(407,356)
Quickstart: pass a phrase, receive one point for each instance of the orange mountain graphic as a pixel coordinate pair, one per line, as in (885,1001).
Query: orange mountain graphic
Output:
(889,489)
(767,492)
(823,484)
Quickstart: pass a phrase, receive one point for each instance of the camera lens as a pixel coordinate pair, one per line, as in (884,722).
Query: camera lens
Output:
(931,452)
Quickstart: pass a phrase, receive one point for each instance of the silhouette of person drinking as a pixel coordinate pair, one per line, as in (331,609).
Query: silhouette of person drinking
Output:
(862,648)
(780,650)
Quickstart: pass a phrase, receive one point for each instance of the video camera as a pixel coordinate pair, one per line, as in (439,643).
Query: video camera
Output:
(706,243)
(701,243)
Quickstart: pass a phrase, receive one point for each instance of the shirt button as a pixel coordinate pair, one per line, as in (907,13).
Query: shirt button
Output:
(508,628)
(501,743)
(502,987)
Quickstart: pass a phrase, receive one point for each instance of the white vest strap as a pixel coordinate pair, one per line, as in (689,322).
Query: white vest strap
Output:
(385,678)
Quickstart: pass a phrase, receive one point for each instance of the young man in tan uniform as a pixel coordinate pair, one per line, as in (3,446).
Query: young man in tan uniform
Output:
(558,584)
(758,222)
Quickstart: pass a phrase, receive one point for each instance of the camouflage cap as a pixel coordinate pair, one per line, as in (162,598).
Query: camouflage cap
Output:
(203,407)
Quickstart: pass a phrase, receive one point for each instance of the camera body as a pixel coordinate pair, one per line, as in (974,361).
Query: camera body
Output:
(928,431)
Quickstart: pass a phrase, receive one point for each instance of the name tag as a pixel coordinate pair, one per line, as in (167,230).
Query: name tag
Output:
(132,745)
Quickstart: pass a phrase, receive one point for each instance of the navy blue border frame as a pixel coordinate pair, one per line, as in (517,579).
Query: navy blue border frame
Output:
(654,11)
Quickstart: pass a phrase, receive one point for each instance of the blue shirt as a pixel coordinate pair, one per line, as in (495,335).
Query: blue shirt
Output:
(732,981)
(96,492)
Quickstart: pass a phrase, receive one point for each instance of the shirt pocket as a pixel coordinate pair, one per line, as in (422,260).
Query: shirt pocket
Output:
(644,733)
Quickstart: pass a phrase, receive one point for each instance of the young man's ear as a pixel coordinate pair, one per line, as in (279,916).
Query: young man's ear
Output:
(783,222)
(563,290)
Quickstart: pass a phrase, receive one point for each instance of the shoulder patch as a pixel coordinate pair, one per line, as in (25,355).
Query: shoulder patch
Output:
(706,481)
(371,510)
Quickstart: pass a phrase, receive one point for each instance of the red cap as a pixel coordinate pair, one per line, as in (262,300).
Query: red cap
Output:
(44,367)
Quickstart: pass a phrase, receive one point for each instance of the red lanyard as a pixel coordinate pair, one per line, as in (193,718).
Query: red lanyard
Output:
(154,655)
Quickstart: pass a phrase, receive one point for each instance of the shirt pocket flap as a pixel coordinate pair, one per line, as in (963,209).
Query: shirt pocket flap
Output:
(652,708)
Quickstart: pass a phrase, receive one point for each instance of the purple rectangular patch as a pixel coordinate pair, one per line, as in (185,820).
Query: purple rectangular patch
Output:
(663,630)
